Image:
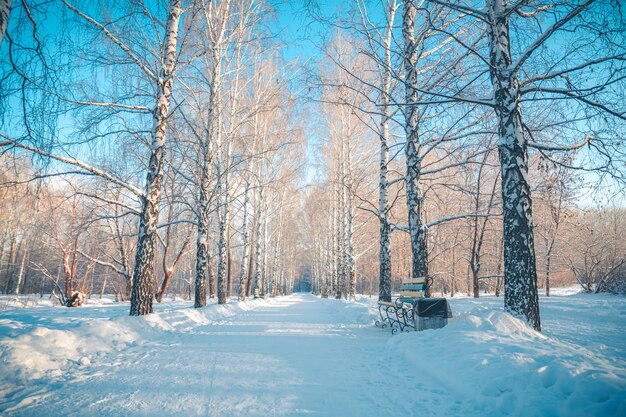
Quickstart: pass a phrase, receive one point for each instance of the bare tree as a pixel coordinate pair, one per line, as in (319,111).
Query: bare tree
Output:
(528,76)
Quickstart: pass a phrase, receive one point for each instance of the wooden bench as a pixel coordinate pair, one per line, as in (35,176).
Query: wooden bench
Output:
(398,314)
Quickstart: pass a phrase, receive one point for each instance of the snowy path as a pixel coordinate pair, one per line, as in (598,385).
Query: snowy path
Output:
(292,357)
(302,355)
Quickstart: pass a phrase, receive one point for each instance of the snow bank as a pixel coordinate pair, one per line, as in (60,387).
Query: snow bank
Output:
(359,312)
(44,352)
(40,352)
(494,364)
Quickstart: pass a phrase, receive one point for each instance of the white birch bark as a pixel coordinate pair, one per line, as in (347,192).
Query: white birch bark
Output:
(520,286)
(5,10)
(384,284)
(202,236)
(257,242)
(142,293)
(335,240)
(419,266)
(339,181)
(265,215)
(349,209)
(21,273)
(328,266)
(244,253)
(275,273)
(223,211)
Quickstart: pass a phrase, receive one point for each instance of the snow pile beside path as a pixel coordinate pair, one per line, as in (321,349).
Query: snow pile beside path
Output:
(11,302)
(359,312)
(42,352)
(496,365)
(181,320)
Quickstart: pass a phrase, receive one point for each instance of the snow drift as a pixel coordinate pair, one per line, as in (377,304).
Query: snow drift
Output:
(43,352)
(300,355)
(494,364)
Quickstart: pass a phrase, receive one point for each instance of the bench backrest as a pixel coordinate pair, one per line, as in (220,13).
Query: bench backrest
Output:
(412,289)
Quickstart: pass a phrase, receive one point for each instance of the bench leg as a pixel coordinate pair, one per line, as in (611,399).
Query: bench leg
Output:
(409,319)
(405,319)
(395,319)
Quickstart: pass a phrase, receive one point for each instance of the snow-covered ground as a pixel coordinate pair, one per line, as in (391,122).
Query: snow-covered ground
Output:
(301,355)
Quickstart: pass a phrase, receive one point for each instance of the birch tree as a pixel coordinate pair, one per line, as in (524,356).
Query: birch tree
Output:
(417,233)
(160,77)
(520,73)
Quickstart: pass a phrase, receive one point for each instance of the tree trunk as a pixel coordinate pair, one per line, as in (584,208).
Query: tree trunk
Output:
(548,259)
(143,276)
(351,274)
(167,278)
(252,257)
(334,274)
(419,266)
(104,285)
(221,259)
(257,243)
(265,241)
(244,252)
(328,277)
(276,253)
(5,10)
(202,237)
(475,279)
(20,275)
(10,267)
(2,245)
(223,238)
(384,286)
(339,232)
(548,263)
(520,282)
(229,276)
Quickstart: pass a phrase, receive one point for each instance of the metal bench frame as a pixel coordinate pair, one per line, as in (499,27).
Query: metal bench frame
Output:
(399,315)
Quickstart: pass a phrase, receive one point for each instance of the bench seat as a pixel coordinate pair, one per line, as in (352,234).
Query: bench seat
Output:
(386,303)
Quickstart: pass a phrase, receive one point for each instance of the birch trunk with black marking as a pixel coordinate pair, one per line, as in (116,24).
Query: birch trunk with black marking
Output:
(224,260)
(520,284)
(222,191)
(202,237)
(349,209)
(265,243)
(257,242)
(5,10)
(276,254)
(22,272)
(142,292)
(252,257)
(222,241)
(419,265)
(244,251)
(341,228)
(334,274)
(384,285)
(328,265)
